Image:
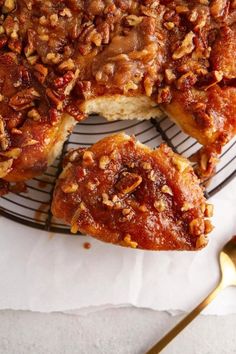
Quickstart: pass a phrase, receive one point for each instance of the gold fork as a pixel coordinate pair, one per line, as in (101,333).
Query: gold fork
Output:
(227,260)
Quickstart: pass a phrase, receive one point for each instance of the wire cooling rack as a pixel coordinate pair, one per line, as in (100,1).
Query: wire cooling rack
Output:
(33,207)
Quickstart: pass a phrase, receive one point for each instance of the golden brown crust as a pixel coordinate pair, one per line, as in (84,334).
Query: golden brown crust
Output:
(122,192)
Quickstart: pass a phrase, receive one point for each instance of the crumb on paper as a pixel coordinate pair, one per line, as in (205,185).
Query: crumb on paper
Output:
(87,245)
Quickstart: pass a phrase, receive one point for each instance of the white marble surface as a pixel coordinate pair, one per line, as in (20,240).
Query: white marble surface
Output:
(112,331)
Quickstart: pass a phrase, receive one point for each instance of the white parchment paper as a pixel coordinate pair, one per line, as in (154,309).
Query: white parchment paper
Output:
(41,272)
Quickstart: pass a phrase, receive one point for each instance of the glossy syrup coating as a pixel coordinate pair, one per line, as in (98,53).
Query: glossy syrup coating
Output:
(122,192)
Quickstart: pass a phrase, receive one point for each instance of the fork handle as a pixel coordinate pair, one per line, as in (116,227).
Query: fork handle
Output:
(157,348)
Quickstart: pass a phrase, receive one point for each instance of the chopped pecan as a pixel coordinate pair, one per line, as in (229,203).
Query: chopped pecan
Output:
(4,187)
(91,186)
(127,242)
(66,82)
(186,81)
(54,116)
(209,210)
(146,166)
(186,47)
(30,47)
(56,98)
(104,162)
(43,20)
(4,142)
(67,65)
(96,7)
(30,142)
(88,158)
(33,59)
(16,131)
(69,187)
(133,20)
(54,20)
(74,111)
(44,37)
(5,167)
(104,29)
(218,7)
(15,45)
(197,226)
(201,241)
(169,76)
(40,72)
(143,208)
(24,99)
(81,209)
(152,176)
(65,12)
(182,9)
(180,162)
(13,153)
(84,88)
(34,114)
(208,226)
(186,206)
(106,201)
(61,82)
(164,95)
(211,79)
(130,86)
(8,6)
(11,27)
(160,205)
(128,182)
(169,25)
(53,58)
(166,189)
(148,84)
(3,40)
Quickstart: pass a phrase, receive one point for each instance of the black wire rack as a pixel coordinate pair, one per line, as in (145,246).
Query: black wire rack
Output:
(32,208)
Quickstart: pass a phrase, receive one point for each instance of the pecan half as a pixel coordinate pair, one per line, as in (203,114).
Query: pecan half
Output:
(24,99)
(41,72)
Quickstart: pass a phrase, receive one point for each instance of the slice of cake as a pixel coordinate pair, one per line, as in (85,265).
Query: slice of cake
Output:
(125,193)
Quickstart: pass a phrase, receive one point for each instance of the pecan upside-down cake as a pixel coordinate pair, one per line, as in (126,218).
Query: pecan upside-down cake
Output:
(61,60)
(122,192)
